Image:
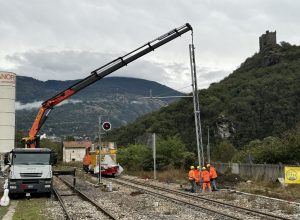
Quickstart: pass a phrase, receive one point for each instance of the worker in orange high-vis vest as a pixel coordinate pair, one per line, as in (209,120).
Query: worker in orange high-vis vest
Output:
(86,162)
(213,176)
(206,180)
(197,176)
(192,178)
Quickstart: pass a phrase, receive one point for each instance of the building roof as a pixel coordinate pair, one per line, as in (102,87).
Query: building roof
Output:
(77,144)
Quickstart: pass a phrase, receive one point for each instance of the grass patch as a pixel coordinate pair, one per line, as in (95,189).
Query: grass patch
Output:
(276,190)
(31,209)
(3,211)
(169,176)
(287,209)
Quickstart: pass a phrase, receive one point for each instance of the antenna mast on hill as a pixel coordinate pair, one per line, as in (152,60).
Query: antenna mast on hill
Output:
(196,106)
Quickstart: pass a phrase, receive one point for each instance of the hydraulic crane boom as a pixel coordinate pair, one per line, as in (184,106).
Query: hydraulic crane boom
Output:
(96,75)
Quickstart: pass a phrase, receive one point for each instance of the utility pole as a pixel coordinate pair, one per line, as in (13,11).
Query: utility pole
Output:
(208,146)
(154,155)
(105,126)
(99,148)
(196,106)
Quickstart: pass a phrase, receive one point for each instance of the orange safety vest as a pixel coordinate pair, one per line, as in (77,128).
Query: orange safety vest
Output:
(87,159)
(205,176)
(197,175)
(213,173)
(191,174)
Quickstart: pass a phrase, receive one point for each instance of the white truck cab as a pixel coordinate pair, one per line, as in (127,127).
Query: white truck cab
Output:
(30,170)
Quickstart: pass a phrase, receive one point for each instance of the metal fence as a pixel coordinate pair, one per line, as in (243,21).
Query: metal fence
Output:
(253,171)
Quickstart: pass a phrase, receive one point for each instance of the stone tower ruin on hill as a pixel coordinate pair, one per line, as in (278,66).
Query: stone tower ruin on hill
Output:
(266,40)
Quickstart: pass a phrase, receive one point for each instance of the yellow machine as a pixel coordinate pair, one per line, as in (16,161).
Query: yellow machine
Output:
(108,162)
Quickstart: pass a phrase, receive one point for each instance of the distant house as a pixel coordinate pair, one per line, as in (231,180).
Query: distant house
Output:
(74,150)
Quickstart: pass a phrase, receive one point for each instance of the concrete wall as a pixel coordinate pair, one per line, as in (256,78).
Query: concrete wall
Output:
(253,171)
(73,154)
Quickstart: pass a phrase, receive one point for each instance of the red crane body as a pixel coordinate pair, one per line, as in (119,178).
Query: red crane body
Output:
(47,106)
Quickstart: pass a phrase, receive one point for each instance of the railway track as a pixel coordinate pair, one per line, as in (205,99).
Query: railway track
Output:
(76,204)
(262,197)
(220,208)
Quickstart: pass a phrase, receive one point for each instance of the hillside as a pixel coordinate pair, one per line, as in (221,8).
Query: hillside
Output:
(259,99)
(117,97)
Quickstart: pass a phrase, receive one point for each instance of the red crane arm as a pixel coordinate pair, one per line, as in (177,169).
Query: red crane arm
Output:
(48,105)
(96,75)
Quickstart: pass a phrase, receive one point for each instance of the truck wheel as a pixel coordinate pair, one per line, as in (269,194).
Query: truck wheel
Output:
(48,194)
(12,195)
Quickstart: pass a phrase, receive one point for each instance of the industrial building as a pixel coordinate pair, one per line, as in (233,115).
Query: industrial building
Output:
(75,150)
(7,111)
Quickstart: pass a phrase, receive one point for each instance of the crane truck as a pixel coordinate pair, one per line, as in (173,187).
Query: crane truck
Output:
(30,168)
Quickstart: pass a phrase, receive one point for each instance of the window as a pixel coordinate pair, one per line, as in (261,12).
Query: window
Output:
(28,158)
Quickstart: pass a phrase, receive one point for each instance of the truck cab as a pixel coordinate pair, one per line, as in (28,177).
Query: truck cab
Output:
(30,170)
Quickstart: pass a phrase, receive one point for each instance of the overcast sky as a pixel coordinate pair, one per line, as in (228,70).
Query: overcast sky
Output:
(67,39)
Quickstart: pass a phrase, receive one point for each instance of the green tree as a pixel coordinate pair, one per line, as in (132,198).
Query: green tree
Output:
(172,150)
(18,138)
(260,99)
(69,138)
(269,150)
(189,159)
(55,146)
(133,156)
(223,151)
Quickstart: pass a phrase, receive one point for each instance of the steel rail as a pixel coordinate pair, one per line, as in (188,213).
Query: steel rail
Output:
(85,197)
(262,196)
(58,196)
(178,200)
(205,199)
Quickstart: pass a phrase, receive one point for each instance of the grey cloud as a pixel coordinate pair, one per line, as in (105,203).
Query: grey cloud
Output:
(206,76)
(66,40)
(28,106)
(66,65)
(37,104)
(63,65)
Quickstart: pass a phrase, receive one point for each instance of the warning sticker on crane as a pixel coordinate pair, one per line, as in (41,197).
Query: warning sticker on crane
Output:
(292,175)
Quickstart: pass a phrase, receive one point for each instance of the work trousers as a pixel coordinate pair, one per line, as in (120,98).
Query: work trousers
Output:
(204,185)
(193,184)
(214,184)
(86,168)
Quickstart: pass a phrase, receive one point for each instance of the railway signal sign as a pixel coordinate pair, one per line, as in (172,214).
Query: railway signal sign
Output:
(106,126)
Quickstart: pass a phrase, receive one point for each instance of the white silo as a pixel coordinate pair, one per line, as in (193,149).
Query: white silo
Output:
(7,111)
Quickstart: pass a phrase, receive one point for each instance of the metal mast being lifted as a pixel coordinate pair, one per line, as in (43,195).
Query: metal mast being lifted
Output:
(196,106)
(47,106)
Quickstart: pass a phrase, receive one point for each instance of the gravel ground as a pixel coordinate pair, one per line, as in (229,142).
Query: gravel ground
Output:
(283,209)
(77,208)
(278,208)
(133,204)
(128,203)
(218,208)
(54,210)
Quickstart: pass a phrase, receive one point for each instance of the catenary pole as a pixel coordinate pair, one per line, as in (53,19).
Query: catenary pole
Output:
(99,148)
(196,106)
(208,146)
(154,154)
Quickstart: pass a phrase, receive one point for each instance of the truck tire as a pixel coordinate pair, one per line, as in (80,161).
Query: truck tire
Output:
(48,194)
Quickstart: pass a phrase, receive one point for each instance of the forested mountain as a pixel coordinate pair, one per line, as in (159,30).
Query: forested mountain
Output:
(261,98)
(119,98)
